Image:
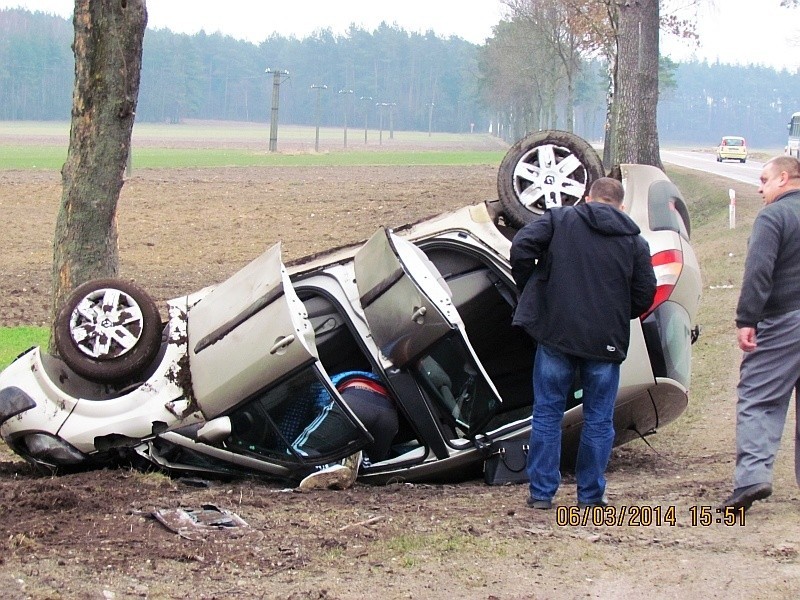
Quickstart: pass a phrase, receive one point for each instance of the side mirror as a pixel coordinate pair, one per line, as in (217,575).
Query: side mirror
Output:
(215,431)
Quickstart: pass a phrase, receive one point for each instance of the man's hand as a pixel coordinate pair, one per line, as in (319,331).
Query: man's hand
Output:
(747,338)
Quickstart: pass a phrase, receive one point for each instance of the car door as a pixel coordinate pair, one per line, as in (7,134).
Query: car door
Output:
(253,359)
(246,333)
(416,326)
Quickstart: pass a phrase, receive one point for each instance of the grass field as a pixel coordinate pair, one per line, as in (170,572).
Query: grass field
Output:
(14,340)
(36,145)
(52,158)
(27,145)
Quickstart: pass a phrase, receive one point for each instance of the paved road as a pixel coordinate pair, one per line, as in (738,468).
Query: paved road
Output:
(748,172)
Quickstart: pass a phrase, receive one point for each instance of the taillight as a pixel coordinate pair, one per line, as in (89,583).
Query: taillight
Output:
(667,265)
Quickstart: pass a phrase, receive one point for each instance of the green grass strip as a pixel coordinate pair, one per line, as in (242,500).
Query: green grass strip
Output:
(47,158)
(16,340)
(52,158)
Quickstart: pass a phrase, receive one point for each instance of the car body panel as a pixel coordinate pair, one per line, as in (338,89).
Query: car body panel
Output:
(93,418)
(411,315)
(406,313)
(245,332)
(639,182)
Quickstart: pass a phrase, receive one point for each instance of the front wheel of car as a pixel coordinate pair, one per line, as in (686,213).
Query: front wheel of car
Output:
(108,330)
(543,170)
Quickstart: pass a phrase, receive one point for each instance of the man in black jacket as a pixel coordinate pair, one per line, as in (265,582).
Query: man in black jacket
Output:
(583,273)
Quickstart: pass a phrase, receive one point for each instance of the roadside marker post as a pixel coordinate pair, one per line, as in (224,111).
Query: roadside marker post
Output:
(732,209)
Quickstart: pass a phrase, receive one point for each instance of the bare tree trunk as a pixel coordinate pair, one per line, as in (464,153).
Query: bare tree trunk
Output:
(635,138)
(648,152)
(610,123)
(108,60)
(569,117)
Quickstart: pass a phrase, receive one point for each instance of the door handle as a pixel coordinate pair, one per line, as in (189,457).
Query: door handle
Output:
(281,344)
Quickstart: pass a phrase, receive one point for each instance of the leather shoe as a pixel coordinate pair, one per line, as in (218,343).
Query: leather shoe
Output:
(744,497)
(540,504)
(602,502)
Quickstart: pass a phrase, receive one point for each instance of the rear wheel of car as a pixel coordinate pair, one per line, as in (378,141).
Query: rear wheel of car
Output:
(543,170)
(108,330)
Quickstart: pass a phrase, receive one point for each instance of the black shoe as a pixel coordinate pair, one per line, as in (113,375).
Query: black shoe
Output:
(540,504)
(744,497)
(601,503)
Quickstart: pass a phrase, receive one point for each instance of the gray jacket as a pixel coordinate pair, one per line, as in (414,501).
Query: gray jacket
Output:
(771,284)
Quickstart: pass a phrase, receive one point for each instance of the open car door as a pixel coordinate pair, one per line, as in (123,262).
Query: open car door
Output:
(411,316)
(245,334)
(255,370)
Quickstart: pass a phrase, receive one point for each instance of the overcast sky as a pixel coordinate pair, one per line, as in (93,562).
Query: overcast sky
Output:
(731,31)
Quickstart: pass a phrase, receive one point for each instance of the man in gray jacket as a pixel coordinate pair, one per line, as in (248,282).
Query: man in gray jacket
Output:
(583,272)
(768,322)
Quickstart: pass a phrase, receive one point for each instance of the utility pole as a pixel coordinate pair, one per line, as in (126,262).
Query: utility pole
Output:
(366,115)
(380,106)
(276,88)
(346,106)
(318,88)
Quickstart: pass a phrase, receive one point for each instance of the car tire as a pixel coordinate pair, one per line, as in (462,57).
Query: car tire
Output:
(108,330)
(545,169)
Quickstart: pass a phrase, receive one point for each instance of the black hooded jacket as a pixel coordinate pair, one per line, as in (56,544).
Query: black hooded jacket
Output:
(583,273)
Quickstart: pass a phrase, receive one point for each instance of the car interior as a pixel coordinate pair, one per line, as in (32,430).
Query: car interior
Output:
(485,301)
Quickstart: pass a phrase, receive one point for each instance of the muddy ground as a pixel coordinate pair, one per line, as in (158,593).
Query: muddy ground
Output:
(92,535)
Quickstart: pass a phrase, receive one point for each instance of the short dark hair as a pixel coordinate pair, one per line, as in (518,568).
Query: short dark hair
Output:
(786,163)
(608,190)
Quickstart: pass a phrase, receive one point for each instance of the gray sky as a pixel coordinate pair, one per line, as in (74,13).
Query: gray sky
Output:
(731,31)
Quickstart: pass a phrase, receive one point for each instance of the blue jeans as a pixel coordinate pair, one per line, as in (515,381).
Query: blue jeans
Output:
(553,375)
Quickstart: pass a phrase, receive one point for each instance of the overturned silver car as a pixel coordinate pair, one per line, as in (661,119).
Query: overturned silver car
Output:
(241,372)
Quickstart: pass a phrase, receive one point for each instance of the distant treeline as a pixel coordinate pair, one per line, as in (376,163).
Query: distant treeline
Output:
(402,80)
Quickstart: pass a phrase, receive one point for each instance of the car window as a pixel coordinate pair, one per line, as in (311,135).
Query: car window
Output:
(667,210)
(450,377)
(278,423)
